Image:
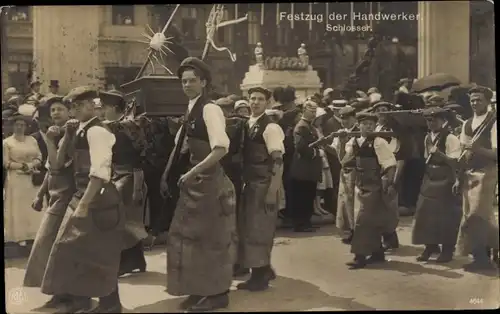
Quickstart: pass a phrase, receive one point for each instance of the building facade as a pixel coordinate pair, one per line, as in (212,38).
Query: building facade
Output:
(109,40)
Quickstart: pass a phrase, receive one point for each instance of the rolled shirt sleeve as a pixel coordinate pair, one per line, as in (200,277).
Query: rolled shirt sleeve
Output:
(384,153)
(335,144)
(349,146)
(274,137)
(216,126)
(101,143)
(494,136)
(453,148)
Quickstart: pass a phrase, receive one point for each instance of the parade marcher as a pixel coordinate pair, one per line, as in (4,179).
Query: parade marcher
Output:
(438,214)
(390,237)
(85,258)
(60,186)
(374,161)
(262,176)
(242,108)
(128,178)
(479,228)
(345,207)
(21,158)
(201,246)
(305,170)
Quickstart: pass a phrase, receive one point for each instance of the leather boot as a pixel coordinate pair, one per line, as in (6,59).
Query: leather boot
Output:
(259,279)
(390,240)
(429,250)
(481,262)
(55,302)
(108,304)
(190,301)
(347,239)
(446,254)
(132,259)
(76,305)
(211,303)
(376,257)
(239,271)
(358,262)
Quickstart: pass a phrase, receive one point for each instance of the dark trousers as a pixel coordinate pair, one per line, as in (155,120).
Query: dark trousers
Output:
(411,180)
(303,194)
(133,258)
(287,186)
(235,175)
(159,216)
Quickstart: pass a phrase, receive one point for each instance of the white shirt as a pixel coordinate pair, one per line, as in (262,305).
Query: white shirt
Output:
(216,126)
(273,135)
(476,122)
(383,151)
(452,144)
(394,144)
(101,142)
(336,142)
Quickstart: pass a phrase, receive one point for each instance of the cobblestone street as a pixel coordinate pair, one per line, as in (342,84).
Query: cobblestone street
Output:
(312,276)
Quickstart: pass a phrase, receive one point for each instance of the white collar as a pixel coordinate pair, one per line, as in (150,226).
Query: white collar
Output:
(256,118)
(193,101)
(84,124)
(481,116)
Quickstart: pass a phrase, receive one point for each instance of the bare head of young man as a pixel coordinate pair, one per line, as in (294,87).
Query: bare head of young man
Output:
(193,82)
(59,113)
(258,103)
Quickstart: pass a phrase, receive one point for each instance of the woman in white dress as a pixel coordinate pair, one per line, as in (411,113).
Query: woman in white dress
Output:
(21,156)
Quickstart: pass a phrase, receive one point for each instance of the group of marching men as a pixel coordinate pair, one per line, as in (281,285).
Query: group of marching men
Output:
(92,228)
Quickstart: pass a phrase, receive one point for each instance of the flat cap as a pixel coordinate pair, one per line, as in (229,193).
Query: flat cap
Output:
(49,101)
(197,64)
(361,116)
(241,104)
(81,93)
(10,91)
(488,93)
(224,102)
(19,116)
(434,112)
(347,111)
(27,110)
(339,103)
(386,104)
(310,105)
(113,98)
(262,90)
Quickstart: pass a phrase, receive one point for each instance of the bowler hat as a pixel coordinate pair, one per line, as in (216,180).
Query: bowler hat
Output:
(262,90)
(197,64)
(54,83)
(81,93)
(361,116)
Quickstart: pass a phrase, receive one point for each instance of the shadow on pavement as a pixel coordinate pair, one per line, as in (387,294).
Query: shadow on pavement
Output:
(406,250)
(152,278)
(412,269)
(285,294)
(323,231)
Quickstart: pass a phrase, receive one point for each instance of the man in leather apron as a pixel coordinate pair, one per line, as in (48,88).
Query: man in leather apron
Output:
(345,201)
(128,178)
(438,214)
(375,170)
(390,236)
(85,258)
(477,180)
(201,246)
(262,176)
(59,183)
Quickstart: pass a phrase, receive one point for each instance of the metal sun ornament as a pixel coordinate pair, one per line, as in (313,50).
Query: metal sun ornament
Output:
(158,44)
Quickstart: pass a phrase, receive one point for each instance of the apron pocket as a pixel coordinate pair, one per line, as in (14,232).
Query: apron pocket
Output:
(106,219)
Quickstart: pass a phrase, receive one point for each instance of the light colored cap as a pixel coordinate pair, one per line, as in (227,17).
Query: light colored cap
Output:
(310,105)
(26,110)
(10,91)
(327,91)
(375,97)
(241,104)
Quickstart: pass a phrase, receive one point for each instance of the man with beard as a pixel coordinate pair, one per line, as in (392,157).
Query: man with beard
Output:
(374,161)
(128,178)
(262,176)
(437,218)
(477,180)
(85,258)
(59,184)
(200,245)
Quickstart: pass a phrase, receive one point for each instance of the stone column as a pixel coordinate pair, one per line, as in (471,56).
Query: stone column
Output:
(443,38)
(65,45)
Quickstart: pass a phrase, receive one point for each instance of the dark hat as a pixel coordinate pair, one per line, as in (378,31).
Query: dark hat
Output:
(488,93)
(36,81)
(18,116)
(361,116)
(453,106)
(197,64)
(54,83)
(383,104)
(262,90)
(347,111)
(113,98)
(81,93)
(435,112)
(48,102)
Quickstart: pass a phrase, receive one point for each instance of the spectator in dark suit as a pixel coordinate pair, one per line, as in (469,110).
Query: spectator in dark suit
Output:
(305,171)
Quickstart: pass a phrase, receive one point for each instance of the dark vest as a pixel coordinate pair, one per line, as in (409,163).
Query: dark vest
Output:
(368,171)
(441,140)
(81,156)
(477,161)
(257,162)
(124,152)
